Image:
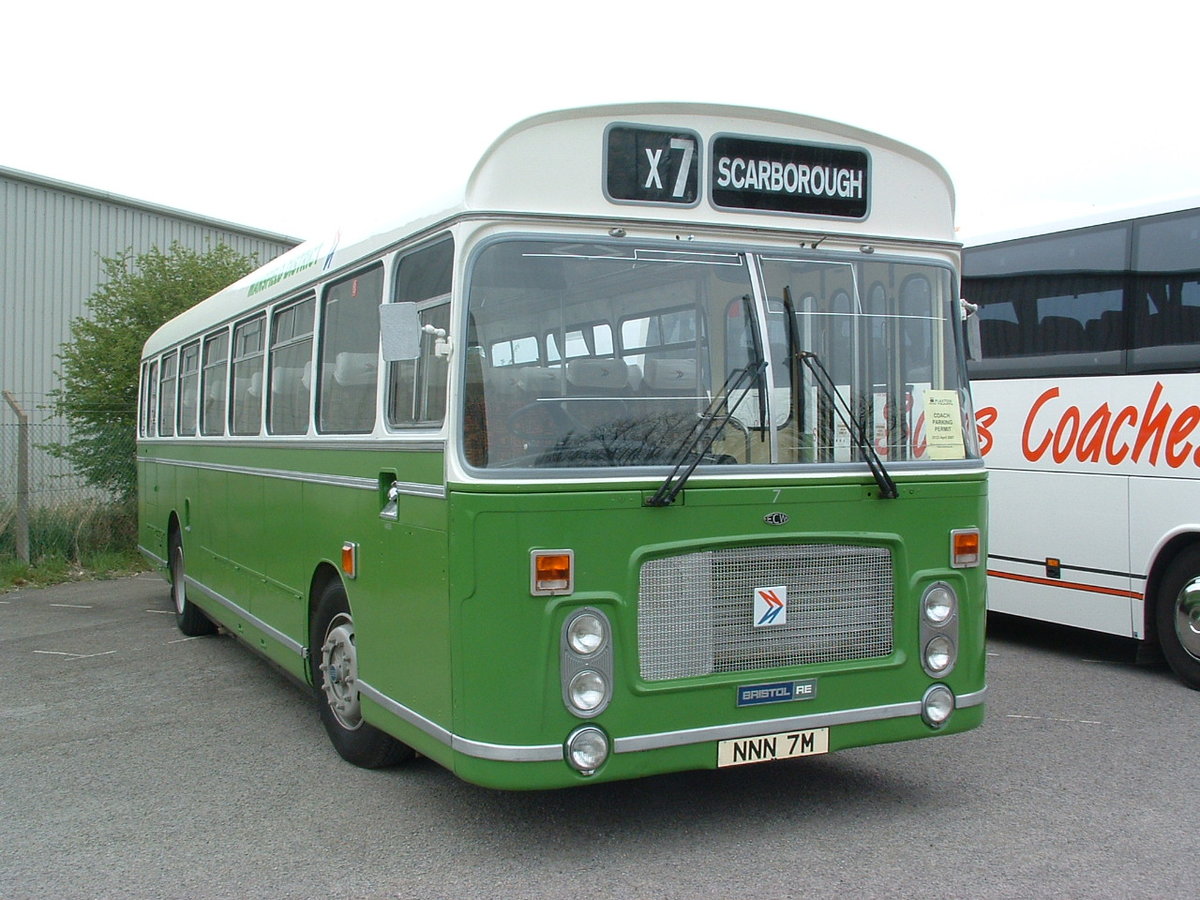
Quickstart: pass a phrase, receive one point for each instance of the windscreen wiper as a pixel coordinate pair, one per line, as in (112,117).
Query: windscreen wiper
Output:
(824,382)
(712,420)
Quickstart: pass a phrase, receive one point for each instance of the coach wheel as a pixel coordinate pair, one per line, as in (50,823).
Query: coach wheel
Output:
(1178,617)
(188,617)
(336,678)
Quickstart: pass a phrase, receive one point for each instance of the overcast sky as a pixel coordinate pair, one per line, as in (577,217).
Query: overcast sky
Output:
(297,117)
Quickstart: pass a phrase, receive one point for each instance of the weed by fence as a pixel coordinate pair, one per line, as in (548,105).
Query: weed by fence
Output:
(66,523)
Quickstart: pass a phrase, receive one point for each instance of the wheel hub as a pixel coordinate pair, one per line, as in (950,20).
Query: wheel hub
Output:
(1187,618)
(339,664)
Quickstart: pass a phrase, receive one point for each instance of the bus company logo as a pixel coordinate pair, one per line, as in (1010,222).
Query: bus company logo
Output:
(777,518)
(770,606)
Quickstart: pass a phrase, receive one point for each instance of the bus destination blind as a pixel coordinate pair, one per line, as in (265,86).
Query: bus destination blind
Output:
(788,177)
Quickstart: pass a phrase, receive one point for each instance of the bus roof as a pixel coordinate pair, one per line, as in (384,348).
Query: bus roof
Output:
(1101,216)
(554,165)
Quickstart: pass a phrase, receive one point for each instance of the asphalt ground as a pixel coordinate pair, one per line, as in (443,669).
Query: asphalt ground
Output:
(136,762)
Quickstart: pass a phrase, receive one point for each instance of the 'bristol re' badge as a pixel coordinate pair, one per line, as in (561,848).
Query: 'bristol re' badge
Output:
(770,606)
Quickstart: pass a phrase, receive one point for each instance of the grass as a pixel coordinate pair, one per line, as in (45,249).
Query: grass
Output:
(77,541)
(57,569)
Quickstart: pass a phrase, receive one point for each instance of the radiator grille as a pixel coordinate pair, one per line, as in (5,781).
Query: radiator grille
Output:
(696,611)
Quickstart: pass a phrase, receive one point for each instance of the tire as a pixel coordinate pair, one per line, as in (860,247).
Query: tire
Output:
(335,677)
(1177,616)
(188,617)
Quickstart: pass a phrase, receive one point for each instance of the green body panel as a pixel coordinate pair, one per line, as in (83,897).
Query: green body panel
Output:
(269,565)
(506,675)
(449,633)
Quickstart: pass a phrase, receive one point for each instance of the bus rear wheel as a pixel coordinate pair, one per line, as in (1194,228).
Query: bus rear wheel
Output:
(188,617)
(1177,616)
(335,675)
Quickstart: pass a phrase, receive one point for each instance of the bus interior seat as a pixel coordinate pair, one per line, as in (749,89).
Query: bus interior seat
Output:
(355,369)
(999,337)
(588,375)
(1104,332)
(672,377)
(596,391)
(669,390)
(1062,334)
(348,401)
(289,400)
(538,381)
(247,403)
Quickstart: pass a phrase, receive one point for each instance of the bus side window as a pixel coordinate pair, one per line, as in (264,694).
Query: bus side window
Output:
(246,395)
(214,383)
(349,360)
(417,387)
(149,395)
(189,381)
(166,395)
(291,368)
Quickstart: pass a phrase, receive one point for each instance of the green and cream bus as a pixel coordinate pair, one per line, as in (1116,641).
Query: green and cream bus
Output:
(653,452)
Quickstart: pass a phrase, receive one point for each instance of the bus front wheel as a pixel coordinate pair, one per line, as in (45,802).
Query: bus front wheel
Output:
(1177,616)
(188,617)
(335,675)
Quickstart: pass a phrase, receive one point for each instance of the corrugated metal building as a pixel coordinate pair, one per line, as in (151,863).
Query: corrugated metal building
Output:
(52,238)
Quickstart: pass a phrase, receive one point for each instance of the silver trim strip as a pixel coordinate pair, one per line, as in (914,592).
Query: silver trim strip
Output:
(554,752)
(767,726)
(153,557)
(421,489)
(376,443)
(418,489)
(478,749)
(288,642)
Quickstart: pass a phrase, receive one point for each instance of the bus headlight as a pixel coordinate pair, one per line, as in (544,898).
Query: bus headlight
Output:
(586,662)
(587,749)
(588,691)
(939,604)
(937,705)
(938,631)
(939,655)
(586,633)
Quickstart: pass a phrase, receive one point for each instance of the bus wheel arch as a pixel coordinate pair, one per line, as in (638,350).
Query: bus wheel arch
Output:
(189,618)
(1172,619)
(333,667)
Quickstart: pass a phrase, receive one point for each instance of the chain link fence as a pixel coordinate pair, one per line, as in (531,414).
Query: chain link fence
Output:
(48,511)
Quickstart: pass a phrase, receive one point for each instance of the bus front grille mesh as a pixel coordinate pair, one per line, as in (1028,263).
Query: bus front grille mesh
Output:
(696,611)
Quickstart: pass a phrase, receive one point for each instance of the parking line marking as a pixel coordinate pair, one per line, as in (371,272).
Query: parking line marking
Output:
(71,606)
(74,655)
(1053,719)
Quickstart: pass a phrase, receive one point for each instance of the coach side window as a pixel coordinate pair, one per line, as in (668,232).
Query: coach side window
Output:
(247,393)
(349,355)
(417,388)
(1167,311)
(166,395)
(214,383)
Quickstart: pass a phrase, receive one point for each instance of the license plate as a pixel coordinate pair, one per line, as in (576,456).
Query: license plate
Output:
(766,747)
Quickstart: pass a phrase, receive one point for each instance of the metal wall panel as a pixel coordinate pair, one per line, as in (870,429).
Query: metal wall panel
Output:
(52,237)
